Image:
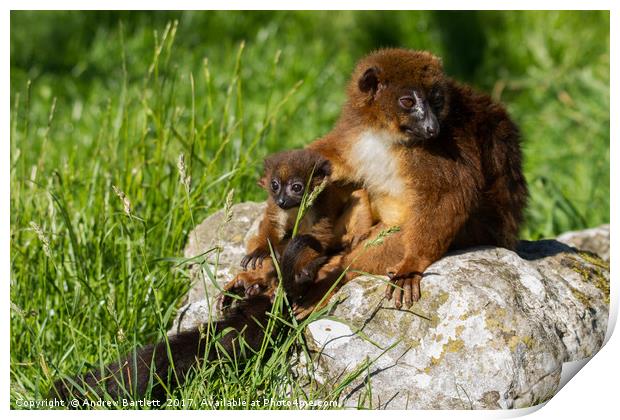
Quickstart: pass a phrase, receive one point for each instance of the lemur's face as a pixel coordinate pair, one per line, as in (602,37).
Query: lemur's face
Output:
(287,193)
(416,111)
(402,92)
(287,173)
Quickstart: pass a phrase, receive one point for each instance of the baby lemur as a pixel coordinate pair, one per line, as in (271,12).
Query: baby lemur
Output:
(438,159)
(338,217)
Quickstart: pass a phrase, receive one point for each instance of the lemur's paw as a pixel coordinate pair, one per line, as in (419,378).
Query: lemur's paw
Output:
(405,289)
(244,285)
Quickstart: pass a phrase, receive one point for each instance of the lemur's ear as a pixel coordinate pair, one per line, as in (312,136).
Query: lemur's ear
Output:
(323,169)
(369,82)
(262,182)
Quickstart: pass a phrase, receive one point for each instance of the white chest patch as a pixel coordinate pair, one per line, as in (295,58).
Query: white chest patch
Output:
(375,164)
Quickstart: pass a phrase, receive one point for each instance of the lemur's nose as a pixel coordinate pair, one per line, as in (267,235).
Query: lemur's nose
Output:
(430,127)
(281,201)
(431,131)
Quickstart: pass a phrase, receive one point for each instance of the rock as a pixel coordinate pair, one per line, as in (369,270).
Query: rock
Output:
(215,268)
(594,240)
(491,331)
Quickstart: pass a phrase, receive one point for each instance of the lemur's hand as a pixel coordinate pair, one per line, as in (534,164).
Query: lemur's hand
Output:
(404,285)
(254,259)
(244,285)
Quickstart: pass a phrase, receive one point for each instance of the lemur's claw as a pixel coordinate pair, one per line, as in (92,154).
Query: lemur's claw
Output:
(244,262)
(253,258)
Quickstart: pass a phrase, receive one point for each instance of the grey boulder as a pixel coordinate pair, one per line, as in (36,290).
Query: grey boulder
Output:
(492,329)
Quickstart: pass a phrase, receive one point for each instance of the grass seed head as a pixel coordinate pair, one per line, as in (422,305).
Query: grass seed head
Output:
(378,240)
(228,206)
(43,238)
(315,193)
(124,200)
(186,179)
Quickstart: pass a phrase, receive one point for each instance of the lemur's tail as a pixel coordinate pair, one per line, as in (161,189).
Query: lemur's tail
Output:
(157,369)
(150,367)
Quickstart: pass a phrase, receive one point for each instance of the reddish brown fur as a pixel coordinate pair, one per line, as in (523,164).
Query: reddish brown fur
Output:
(463,188)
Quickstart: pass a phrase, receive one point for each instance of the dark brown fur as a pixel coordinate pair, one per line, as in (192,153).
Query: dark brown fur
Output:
(462,187)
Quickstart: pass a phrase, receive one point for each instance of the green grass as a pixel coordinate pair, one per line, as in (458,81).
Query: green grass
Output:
(114,99)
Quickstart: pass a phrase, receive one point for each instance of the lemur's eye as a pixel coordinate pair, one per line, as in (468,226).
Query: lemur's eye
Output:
(406,102)
(275,185)
(297,187)
(436,97)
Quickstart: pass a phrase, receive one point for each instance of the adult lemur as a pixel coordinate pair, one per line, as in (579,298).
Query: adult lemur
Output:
(438,159)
